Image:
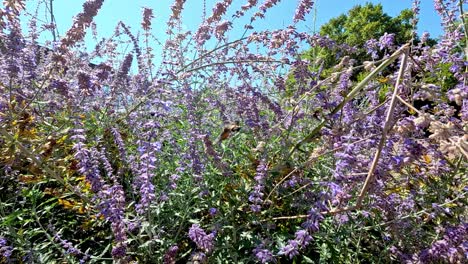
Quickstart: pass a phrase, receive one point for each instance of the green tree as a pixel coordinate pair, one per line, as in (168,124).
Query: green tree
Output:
(360,24)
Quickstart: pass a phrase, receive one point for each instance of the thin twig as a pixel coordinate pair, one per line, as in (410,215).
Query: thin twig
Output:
(351,96)
(417,214)
(351,208)
(386,129)
(208,53)
(231,62)
(145,98)
(280,182)
(308,163)
(410,106)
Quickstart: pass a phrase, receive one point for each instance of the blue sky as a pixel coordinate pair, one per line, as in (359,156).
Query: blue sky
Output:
(280,16)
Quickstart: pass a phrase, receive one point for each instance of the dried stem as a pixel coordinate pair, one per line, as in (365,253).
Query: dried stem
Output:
(386,129)
(41,164)
(410,106)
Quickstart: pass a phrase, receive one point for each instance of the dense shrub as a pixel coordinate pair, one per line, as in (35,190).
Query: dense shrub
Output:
(212,156)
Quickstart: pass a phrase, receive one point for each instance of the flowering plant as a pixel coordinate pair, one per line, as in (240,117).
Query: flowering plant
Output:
(237,150)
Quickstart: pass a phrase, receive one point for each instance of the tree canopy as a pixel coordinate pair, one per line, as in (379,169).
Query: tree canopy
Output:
(361,23)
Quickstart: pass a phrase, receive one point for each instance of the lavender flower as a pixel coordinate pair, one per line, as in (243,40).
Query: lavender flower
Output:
(221,28)
(145,166)
(5,251)
(371,48)
(302,9)
(147,16)
(176,8)
(112,207)
(303,238)
(203,33)
(67,245)
(386,41)
(119,251)
(213,211)
(263,255)
(416,7)
(219,10)
(173,179)
(313,220)
(290,250)
(249,5)
(60,86)
(125,67)
(268,4)
(82,21)
(201,239)
(256,196)
(84,82)
(120,144)
(451,248)
(170,256)
(87,163)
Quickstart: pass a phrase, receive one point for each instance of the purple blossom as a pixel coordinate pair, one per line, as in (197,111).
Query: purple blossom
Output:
(119,251)
(290,249)
(5,250)
(87,163)
(144,168)
(249,5)
(302,9)
(451,248)
(219,10)
(146,190)
(82,21)
(221,28)
(416,7)
(313,221)
(213,211)
(256,196)
(386,41)
(173,179)
(171,254)
(183,115)
(268,4)
(303,238)
(120,144)
(176,8)
(147,16)
(371,46)
(112,206)
(136,47)
(263,255)
(201,239)
(84,82)
(60,86)
(125,67)
(67,245)
(203,33)
(425,36)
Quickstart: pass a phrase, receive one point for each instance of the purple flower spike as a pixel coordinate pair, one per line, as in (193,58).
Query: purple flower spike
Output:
(203,241)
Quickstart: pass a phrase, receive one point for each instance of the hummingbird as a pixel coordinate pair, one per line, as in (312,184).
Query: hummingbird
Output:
(228,130)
